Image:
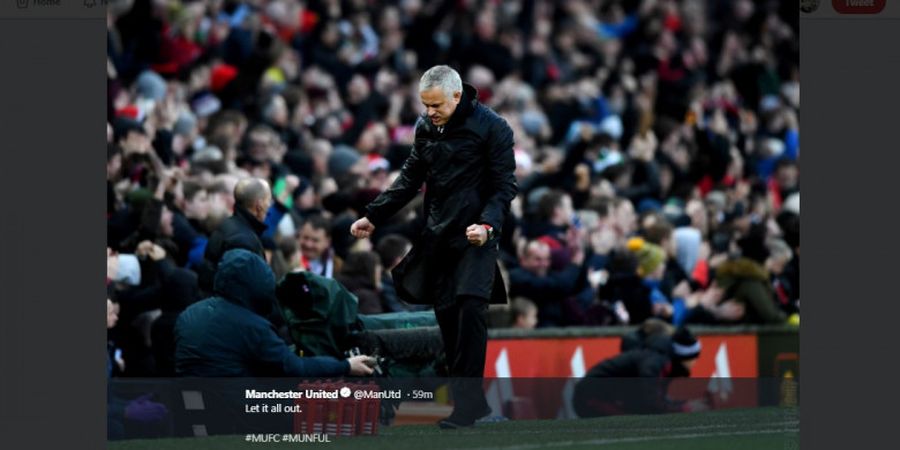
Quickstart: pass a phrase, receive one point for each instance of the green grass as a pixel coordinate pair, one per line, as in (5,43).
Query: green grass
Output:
(758,428)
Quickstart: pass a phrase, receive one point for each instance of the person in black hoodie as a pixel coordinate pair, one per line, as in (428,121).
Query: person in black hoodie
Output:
(228,335)
(636,381)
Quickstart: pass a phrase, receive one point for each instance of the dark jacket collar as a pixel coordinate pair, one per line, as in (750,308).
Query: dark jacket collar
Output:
(465,108)
(243,215)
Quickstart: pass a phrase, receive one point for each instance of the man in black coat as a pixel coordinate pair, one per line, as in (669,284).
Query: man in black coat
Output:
(463,152)
(252,199)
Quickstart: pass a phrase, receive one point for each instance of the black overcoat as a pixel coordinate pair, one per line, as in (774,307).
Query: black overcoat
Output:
(468,171)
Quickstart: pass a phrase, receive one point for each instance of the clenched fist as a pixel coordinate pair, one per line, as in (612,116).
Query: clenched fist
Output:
(476,234)
(362,228)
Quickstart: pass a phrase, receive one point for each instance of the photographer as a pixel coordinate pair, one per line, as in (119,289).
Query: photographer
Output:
(228,335)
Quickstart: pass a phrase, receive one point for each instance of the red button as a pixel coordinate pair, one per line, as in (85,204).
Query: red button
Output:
(858,6)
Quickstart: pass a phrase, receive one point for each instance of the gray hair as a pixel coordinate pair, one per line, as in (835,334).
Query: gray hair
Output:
(443,77)
(779,249)
(248,191)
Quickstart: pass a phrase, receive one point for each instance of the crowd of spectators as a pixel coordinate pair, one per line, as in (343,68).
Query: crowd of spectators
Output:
(656,148)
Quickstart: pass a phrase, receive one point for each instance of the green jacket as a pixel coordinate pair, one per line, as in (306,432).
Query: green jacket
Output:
(748,282)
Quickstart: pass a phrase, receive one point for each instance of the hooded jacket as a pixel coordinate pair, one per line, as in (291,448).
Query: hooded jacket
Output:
(228,335)
(633,382)
(748,281)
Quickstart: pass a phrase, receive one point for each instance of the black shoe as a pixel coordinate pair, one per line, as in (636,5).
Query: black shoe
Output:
(451,423)
(455,420)
(487,412)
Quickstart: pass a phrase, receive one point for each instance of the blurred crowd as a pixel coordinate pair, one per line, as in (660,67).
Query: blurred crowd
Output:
(656,148)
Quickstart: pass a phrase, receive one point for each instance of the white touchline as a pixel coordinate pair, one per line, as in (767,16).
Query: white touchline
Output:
(483,431)
(608,441)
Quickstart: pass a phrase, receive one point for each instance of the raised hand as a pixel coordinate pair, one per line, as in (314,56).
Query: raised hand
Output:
(362,228)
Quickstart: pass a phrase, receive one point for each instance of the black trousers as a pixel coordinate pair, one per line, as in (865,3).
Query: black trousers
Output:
(464,331)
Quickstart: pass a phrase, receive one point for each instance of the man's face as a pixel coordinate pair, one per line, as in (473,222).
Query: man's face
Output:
(313,242)
(787,177)
(165,222)
(113,166)
(625,218)
(562,214)
(198,206)
(668,244)
(112,263)
(259,145)
(112,313)
(537,260)
(220,204)
(263,205)
(307,199)
(135,142)
(528,320)
(438,107)
(776,264)
(696,210)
